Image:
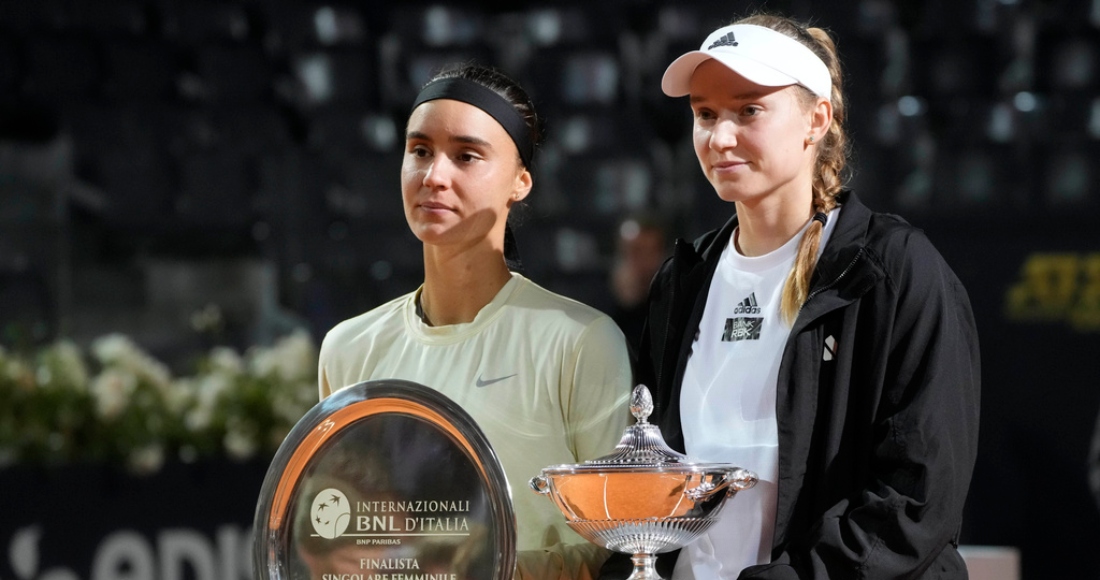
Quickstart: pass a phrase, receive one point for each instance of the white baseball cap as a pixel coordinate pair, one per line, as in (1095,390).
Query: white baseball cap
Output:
(761,55)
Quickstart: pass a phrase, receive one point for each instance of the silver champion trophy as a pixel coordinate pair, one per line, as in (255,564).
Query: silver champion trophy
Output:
(644,498)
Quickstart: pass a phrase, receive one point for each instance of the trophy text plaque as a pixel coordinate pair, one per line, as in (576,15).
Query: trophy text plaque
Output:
(385,480)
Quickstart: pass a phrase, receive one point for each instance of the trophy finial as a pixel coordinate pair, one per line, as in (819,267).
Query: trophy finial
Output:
(641,404)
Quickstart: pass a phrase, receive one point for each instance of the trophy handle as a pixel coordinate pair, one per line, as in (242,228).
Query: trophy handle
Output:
(740,480)
(708,488)
(539,485)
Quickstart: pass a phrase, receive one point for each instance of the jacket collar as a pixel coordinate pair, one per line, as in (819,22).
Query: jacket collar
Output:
(850,233)
(838,263)
(851,230)
(846,269)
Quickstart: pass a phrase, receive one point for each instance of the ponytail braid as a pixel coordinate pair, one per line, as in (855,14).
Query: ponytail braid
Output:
(832,156)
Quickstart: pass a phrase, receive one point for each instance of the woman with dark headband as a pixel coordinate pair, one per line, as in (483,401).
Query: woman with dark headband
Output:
(824,346)
(545,377)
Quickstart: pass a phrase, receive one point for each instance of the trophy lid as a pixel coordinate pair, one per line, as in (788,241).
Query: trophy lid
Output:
(642,443)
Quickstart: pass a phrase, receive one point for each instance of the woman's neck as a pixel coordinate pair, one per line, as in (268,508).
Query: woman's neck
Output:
(767,224)
(458,285)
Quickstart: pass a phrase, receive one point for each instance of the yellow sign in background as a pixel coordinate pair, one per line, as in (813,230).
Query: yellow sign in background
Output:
(1057,287)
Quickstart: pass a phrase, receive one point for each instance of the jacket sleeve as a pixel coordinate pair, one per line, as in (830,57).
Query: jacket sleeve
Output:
(902,516)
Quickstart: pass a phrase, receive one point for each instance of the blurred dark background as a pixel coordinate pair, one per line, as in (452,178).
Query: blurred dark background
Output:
(200,172)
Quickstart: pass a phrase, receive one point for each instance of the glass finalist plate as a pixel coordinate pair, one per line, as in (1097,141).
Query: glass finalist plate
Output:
(385,480)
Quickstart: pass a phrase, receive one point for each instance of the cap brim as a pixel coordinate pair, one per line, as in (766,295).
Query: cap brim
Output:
(676,81)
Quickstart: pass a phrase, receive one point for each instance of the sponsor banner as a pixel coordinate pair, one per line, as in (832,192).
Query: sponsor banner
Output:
(92,522)
(1060,288)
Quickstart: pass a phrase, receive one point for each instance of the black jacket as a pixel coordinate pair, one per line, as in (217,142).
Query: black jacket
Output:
(876,444)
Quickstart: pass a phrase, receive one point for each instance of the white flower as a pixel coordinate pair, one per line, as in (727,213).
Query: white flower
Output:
(43,376)
(263,361)
(156,372)
(16,370)
(239,444)
(208,319)
(112,390)
(287,407)
(292,358)
(119,350)
(180,396)
(199,418)
(113,348)
(211,388)
(127,380)
(147,459)
(226,360)
(207,390)
(67,363)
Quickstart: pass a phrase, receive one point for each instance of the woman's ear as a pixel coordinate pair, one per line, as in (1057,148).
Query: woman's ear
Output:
(821,118)
(524,182)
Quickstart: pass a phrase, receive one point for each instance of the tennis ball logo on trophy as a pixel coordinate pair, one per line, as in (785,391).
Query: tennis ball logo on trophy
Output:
(330,513)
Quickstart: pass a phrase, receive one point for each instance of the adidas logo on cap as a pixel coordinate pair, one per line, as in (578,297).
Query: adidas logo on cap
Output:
(727,40)
(761,55)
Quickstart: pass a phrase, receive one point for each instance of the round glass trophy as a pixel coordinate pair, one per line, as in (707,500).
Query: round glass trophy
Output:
(385,480)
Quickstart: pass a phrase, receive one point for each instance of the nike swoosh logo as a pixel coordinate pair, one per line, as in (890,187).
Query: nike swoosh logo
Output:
(483,383)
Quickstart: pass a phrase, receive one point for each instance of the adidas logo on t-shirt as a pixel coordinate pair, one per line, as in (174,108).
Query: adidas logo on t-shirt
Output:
(748,306)
(744,327)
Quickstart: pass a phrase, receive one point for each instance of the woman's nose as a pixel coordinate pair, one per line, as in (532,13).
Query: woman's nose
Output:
(438,173)
(724,134)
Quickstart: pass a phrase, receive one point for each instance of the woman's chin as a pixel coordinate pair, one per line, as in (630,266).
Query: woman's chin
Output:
(731,194)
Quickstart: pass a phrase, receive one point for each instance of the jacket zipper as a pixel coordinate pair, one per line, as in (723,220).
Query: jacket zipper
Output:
(835,281)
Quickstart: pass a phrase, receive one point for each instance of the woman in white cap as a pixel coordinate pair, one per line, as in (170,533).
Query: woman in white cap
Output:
(545,377)
(826,347)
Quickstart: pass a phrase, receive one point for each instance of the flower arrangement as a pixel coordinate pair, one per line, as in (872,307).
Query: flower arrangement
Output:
(117,403)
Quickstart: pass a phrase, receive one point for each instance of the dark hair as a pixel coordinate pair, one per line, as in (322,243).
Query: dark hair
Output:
(502,85)
(832,155)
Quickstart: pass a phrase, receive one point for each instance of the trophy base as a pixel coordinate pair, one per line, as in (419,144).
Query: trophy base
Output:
(645,567)
(650,536)
(644,539)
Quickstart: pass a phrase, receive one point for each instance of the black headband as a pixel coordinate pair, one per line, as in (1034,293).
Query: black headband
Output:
(487,100)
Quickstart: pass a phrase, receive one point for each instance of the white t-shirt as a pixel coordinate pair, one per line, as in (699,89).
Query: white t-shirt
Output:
(727,403)
(546,378)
